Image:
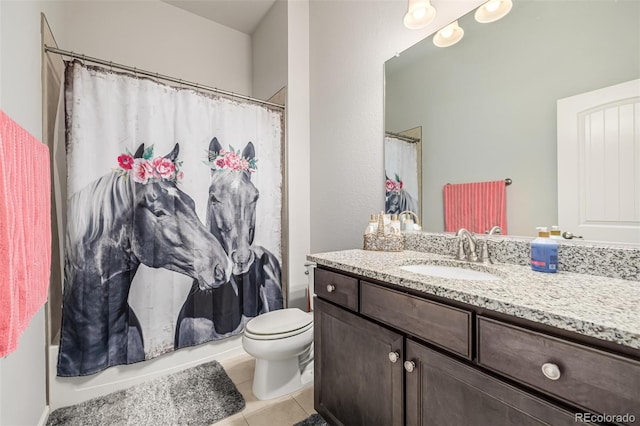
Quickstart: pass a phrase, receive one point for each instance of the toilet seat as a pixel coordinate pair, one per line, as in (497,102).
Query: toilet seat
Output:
(279,324)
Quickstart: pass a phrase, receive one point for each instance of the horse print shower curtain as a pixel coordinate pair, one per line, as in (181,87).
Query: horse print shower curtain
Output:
(401,176)
(174,218)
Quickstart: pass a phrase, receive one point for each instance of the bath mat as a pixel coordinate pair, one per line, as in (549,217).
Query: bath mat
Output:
(313,420)
(197,396)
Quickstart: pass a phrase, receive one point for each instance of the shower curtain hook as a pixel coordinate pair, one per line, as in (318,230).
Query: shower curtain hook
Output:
(111,66)
(135,71)
(157,77)
(197,88)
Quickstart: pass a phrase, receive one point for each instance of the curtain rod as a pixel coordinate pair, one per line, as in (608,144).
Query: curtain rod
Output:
(403,137)
(158,76)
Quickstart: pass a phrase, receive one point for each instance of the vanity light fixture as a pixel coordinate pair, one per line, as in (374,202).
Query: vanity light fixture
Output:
(419,14)
(449,35)
(493,10)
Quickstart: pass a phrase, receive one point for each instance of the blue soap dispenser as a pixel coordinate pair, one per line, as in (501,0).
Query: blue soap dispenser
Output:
(544,252)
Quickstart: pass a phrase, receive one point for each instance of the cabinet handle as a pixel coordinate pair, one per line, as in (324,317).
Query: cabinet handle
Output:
(409,366)
(331,288)
(551,371)
(394,357)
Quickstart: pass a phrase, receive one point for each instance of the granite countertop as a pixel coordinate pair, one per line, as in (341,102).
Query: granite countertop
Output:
(600,307)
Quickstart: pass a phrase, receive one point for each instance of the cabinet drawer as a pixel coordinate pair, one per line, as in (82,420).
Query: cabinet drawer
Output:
(589,378)
(337,288)
(442,325)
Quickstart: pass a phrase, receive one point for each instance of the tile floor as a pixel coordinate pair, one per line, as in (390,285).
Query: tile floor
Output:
(284,411)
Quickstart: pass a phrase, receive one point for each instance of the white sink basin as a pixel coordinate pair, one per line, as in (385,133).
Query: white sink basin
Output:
(451,272)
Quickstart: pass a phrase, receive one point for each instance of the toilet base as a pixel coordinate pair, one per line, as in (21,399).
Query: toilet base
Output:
(307,375)
(276,378)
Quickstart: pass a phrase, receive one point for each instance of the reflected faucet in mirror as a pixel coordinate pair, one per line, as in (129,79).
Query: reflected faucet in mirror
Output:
(496,230)
(409,221)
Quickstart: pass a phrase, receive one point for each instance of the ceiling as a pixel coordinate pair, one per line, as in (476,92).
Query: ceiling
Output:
(241,15)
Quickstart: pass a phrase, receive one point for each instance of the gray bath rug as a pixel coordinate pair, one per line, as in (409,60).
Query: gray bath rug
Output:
(313,420)
(197,396)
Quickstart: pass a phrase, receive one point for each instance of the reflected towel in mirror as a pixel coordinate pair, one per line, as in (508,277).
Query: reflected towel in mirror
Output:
(476,206)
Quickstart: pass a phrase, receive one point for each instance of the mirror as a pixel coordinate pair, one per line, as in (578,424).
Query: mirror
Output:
(487,105)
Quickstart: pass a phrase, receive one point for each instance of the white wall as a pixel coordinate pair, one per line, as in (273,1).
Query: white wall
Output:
(269,52)
(22,373)
(298,155)
(158,37)
(349,42)
(281,58)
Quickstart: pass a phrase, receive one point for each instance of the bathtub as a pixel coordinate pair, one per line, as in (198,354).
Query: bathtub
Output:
(65,391)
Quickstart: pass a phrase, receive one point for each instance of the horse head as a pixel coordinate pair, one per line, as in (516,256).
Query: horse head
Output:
(231,211)
(167,232)
(397,199)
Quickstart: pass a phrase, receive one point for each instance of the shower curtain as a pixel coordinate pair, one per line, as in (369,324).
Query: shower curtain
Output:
(401,171)
(173,218)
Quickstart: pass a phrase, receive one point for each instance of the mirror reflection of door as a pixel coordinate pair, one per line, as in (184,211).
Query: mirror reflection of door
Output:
(599,163)
(403,170)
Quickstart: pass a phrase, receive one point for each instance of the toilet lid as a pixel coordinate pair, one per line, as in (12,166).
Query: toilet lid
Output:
(279,322)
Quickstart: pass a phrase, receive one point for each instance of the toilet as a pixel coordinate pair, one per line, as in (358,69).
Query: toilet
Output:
(278,340)
(282,343)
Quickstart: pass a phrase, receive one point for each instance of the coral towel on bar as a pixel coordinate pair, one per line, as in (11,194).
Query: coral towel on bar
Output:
(476,206)
(25,230)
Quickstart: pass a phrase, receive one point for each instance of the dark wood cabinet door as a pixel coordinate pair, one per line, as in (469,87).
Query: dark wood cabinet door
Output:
(441,391)
(356,383)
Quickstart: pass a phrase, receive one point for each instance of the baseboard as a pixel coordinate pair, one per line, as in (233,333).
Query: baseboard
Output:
(44,417)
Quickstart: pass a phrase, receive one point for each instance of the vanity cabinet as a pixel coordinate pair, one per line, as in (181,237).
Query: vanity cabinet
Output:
(385,357)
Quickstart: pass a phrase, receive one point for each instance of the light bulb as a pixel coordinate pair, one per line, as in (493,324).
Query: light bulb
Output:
(493,10)
(449,35)
(447,32)
(492,5)
(419,13)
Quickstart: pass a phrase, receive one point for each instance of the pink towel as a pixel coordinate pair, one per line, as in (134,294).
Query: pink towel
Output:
(25,230)
(475,206)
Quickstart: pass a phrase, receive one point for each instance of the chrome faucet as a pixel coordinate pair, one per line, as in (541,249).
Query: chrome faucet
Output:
(466,251)
(495,230)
